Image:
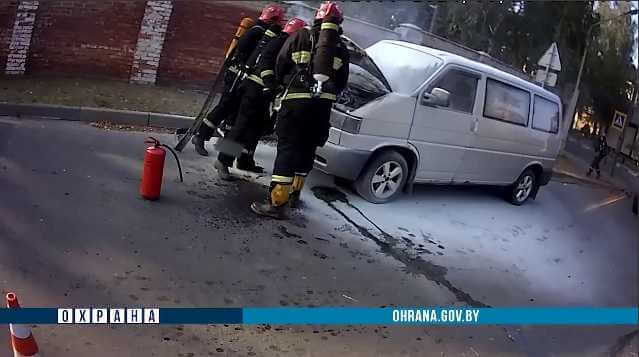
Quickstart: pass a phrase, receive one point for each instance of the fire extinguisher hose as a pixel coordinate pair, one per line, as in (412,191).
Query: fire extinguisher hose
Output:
(156,143)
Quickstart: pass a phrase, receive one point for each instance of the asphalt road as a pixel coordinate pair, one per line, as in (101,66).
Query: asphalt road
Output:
(74,232)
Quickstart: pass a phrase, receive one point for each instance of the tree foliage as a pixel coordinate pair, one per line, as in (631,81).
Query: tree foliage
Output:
(518,33)
(609,68)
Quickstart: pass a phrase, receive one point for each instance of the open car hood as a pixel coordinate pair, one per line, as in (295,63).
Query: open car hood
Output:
(359,57)
(366,82)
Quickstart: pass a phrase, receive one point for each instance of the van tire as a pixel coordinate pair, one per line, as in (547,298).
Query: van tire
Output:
(520,191)
(390,170)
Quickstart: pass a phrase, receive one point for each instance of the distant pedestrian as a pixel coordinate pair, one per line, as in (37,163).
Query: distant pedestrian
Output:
(601,150)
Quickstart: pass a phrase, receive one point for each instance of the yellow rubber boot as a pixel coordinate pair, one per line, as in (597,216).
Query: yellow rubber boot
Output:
(276,205)
(296,191)
(280,194)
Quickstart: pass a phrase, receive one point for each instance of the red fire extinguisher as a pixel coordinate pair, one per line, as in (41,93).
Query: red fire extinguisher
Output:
(151,184)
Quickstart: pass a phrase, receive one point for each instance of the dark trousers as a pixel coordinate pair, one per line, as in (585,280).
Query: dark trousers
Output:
(596,161)
(249,123)
(225,110)
(302,126)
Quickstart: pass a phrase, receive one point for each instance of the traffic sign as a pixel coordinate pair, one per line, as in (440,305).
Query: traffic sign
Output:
(551,58)
(549,80)
(619,120)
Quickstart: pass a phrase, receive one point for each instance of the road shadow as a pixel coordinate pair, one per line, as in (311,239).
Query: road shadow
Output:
(429,191)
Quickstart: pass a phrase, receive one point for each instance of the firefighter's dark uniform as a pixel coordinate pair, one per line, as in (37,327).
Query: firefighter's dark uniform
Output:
(303,121)
(229,101)
(257,91)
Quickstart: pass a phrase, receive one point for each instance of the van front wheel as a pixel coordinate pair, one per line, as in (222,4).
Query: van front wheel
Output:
(520,191)
(383,178)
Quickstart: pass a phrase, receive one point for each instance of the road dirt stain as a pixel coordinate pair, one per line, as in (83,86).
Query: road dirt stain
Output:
(622,343)
(201,195)
(288,234)
(389,246)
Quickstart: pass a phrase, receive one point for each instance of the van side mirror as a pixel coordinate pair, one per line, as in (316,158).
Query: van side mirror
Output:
(437,97)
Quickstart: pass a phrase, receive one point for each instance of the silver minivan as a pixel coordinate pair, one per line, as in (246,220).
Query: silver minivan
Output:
(413,114)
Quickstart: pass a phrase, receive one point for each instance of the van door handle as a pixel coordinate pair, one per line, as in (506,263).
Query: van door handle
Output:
(475,125)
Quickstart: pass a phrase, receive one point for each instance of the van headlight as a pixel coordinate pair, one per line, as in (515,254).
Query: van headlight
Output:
(345,122)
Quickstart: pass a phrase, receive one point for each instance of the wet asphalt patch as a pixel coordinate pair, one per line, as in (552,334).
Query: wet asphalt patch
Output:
(288,234)
(237,196)
(389,246)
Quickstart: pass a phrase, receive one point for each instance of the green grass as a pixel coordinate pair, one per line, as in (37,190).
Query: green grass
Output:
(101,94)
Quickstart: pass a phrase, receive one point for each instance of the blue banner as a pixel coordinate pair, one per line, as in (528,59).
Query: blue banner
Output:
(29,316)
(325,316)
(443,316)
(201,316)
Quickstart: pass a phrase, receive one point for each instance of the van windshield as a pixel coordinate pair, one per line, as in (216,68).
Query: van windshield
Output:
(404,68)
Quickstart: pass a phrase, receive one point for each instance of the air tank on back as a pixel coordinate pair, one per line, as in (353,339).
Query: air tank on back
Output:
(326,45)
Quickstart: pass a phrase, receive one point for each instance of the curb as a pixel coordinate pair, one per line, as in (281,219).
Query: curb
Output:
(585,179)
(89,114)
(610,181)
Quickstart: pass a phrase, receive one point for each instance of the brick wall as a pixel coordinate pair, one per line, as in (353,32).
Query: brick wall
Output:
(21,37)
(7,19)
(181,41)
(88,37)
(151,41)
(197,35)
(173,41)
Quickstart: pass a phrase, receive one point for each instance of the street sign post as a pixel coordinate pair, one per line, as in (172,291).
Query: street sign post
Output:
(550,60)
(544,77)
(619,123)
(619,120)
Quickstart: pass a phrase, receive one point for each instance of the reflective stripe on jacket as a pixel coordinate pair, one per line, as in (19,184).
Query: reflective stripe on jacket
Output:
(293,68)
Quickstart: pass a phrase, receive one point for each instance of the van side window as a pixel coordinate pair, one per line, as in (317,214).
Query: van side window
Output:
(462,87)
(545,115)
(507,103)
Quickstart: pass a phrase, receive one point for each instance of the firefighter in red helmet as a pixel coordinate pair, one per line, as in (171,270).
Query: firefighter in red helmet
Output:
(313,65)
(258,91)
(229,101)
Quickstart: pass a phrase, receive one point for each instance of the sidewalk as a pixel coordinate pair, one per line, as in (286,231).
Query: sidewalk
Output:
(626,173)
(570,165)
(573,167)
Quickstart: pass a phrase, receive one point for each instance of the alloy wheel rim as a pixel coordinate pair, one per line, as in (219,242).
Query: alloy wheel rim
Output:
(387,179)
(524,188)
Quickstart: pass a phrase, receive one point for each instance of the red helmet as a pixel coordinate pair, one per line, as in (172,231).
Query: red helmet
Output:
(329,10)
(272,13)
(293,25)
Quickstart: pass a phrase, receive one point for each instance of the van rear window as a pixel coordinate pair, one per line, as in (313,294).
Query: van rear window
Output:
(507,103)
(545,115)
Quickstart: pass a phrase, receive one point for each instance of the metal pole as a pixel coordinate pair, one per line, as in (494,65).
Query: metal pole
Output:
(619,146)
(623,132)
(583,59)
(433,19)
(552,58)
(569,116)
